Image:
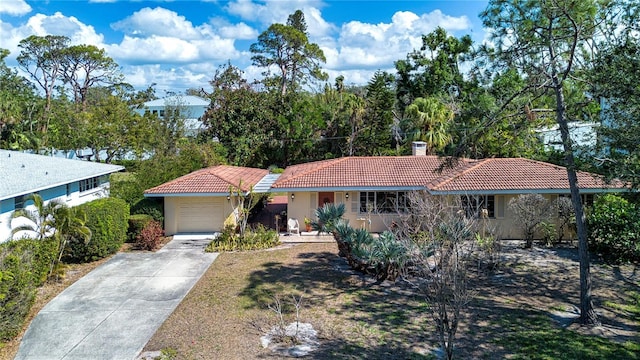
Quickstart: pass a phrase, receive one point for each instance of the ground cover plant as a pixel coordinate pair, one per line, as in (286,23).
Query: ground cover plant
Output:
(523,309)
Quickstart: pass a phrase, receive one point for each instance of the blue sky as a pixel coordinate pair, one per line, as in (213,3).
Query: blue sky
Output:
(179,44)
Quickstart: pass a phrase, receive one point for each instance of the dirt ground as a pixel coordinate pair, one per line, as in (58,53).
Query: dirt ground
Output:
(228,310)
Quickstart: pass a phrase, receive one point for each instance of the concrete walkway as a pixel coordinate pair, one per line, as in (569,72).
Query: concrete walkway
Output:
(112,312)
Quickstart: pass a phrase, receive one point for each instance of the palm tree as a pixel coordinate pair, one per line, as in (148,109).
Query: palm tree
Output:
(53,220)
(430,119)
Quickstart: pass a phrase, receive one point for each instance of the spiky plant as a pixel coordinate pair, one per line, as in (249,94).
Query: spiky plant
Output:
(328,216)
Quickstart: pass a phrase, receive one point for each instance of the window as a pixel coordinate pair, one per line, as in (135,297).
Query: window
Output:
(473,205)
(92,183)
(587,199)
(19,202)
(382,201)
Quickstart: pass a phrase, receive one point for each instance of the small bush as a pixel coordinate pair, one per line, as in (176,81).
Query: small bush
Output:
(149,206)
(614,225)
(254,239)
(108,220)
(150,236)
(24,265)
(137,222)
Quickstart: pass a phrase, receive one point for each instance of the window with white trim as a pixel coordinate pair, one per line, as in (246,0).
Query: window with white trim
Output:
(474,205)
(384,202)
(92,183)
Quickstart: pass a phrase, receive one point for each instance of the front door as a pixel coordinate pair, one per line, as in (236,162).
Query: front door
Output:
(325,197)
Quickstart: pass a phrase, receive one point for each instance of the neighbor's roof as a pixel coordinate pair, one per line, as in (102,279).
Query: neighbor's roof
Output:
(179,100)
(410,172)
(517,175)
(511,175)
(22,173)
(212,180)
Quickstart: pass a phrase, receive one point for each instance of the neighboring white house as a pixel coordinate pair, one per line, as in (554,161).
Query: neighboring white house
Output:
(191,109)
(72,181)
(583,135)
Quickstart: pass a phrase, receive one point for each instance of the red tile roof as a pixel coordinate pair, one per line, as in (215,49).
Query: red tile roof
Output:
(511,174)
(362,172)
(515,174)
(215,179)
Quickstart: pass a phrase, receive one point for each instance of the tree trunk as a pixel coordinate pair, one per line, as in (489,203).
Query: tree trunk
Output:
(587,315)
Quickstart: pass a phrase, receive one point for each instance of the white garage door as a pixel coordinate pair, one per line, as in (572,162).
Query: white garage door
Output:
(200,215)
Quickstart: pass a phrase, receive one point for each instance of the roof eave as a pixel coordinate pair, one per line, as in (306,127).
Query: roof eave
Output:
(53,185)
(525,191)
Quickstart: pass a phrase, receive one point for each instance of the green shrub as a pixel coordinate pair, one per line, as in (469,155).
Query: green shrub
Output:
(149,206)
(614,229)
(24,265)
(150,236)
(108,220)
(254,239)
(137,222)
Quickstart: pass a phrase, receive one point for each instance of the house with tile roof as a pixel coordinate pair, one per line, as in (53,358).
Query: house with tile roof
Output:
(71,181)
(373,188)
(200,202)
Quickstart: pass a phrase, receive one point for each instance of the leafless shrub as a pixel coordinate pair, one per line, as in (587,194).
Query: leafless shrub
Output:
(531,210)
(440,239)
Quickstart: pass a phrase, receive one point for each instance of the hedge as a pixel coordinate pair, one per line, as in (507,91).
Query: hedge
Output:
(108,220)
(24,265)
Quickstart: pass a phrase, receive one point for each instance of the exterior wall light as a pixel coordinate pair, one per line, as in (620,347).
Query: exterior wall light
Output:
(293,196)
(346,195)
(228,197)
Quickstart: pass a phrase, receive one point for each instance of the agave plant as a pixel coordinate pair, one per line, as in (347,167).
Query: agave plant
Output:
(343,234)
(327,216)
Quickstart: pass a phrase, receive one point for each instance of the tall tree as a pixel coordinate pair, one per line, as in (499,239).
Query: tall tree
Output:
(42,58)
(616,78)
(374,136)
(434,70)
(85,66)
(430,120)
(544,40)
(19,108)
(240,117)
(287,48)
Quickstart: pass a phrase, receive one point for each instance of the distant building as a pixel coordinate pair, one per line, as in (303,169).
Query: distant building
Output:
(71,181)
(583,135)
(191,109)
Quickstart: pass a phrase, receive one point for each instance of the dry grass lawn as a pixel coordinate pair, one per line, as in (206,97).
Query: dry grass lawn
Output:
(518,310)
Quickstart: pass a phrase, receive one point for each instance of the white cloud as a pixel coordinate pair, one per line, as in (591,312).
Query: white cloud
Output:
(14,7)
(163,49)
(240,31)
(277,11)
(56,24)
(158,22)
(175,79)
(379,45)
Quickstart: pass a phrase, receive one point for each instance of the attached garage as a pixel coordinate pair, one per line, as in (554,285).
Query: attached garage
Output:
(199,202)
(200,215)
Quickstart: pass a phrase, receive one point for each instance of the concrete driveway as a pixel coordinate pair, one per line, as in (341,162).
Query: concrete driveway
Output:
(112,312)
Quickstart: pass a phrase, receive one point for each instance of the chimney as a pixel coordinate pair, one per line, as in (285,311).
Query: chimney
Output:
(419,148)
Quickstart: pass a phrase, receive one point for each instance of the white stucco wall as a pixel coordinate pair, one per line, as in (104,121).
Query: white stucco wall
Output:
(73,198)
